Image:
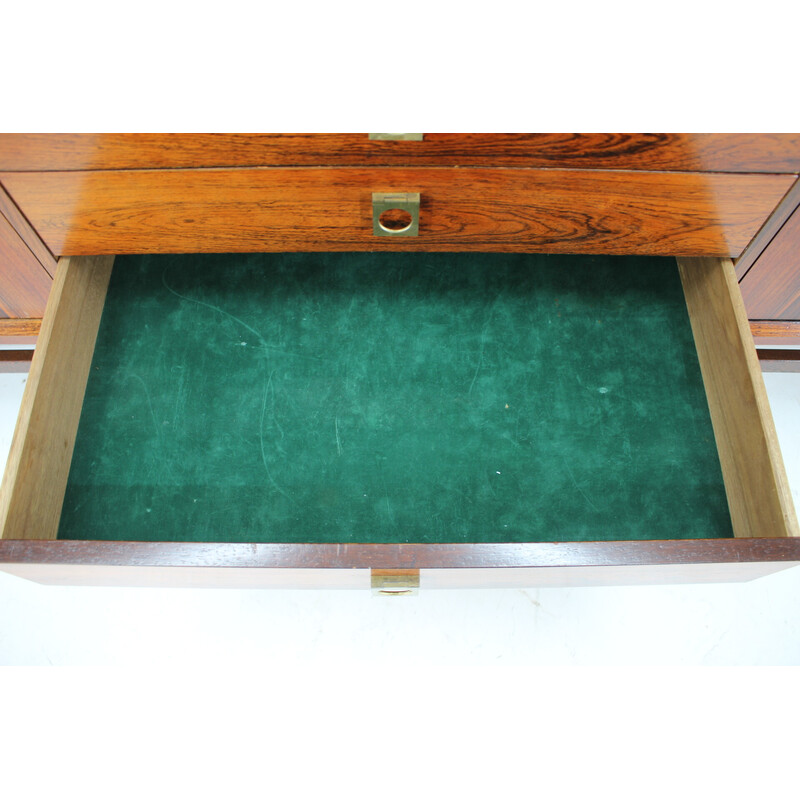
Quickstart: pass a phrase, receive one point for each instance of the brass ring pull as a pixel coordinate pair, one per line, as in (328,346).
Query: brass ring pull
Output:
(395,214)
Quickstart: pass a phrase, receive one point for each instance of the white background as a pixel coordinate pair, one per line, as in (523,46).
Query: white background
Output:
(751,623)
(310,694)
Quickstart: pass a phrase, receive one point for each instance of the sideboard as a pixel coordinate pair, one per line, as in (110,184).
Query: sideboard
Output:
(724,205)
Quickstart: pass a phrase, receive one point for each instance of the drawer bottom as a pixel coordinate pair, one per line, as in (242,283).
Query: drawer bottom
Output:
(394,398)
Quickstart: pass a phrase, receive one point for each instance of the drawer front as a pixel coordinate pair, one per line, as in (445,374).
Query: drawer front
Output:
(759,500)
(703,152)
(267,210)
(264,566)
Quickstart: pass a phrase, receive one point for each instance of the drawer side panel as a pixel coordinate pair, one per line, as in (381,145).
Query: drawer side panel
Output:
(36,473)
(759,497)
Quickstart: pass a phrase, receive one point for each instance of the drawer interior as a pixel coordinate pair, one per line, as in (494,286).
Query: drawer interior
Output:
(394,397)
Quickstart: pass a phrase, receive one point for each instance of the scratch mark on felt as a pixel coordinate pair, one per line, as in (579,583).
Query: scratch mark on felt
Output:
(213,308)
(484,332)
(260,338)
(267,385)
(160,453)
(267,388)
(150,406)
(575,484)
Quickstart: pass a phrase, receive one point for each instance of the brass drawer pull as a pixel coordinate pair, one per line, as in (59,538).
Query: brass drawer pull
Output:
(395,582)
(395,214)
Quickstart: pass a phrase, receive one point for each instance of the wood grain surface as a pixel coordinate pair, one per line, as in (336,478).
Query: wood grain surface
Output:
(17,220)
(771,288)
(776,220)
(705,152)
(32,491)
(759,497)
(775,332)
(24,283)
(263,210)
(19,331)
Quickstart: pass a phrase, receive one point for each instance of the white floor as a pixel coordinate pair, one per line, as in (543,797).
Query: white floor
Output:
(755,623)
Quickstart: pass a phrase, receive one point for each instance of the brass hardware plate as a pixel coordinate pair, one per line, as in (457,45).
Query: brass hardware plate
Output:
(408,202)
(395,137)
(395,582)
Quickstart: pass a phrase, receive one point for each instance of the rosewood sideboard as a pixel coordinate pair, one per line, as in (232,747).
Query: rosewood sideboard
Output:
(87,211)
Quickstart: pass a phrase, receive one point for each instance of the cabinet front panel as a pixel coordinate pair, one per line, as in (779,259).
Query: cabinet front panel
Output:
(771,289)
(689,152)
(24,283)
(330,209)
(17,220)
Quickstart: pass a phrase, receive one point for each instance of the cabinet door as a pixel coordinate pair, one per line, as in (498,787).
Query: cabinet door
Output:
(24,282)
(771,288)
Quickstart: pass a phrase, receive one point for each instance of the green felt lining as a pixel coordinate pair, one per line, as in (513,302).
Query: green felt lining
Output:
(394,397)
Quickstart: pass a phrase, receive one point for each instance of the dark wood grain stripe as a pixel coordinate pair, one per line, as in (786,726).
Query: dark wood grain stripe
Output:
(775,360)
(11,356)
(684,152)
(15,360)
(777,354)
(503,210)
(405,556)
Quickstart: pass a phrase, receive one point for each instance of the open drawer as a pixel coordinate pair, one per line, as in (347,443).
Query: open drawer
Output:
(481,419)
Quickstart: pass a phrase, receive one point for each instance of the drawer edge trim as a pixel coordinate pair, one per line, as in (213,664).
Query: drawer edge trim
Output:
(401,556)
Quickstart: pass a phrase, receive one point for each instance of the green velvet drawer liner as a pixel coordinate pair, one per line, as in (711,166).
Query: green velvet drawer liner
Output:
(394,397)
